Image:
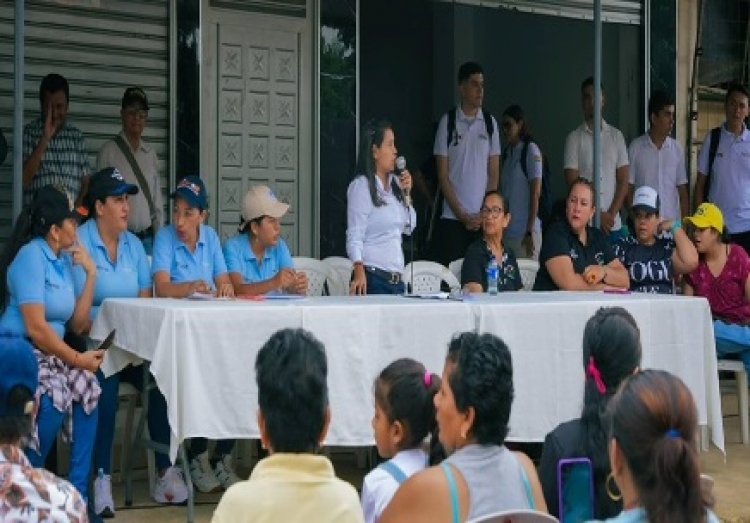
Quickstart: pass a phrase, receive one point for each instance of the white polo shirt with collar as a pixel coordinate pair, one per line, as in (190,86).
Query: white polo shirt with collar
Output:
(662,169)
(468,158)
(579,154)
(730,180)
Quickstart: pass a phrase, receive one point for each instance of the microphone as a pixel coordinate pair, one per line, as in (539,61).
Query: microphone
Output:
(400,166)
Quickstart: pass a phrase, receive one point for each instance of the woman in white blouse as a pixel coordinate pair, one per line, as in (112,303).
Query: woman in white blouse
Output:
(378,214)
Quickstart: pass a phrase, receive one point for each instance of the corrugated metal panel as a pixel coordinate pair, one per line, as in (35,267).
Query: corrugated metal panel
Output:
(101,47)
(614,11)
(297,8)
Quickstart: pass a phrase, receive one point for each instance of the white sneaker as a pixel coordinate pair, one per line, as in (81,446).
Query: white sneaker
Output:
(170,488)
(104,505)
(202,475)
(224,472)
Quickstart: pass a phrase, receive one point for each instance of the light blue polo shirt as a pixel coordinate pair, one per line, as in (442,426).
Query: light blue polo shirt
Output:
(122,278)
(241,259)
(36,275)
(172,255)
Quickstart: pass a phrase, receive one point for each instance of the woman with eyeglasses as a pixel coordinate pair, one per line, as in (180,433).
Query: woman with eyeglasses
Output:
(576,256)
(495,218)
(378,214)
(521,184)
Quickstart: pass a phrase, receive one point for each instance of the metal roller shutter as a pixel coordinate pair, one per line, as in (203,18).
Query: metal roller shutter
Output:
(615,11)
(101,47)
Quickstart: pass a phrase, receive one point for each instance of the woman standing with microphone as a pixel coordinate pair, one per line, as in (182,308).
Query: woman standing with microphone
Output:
(378,213)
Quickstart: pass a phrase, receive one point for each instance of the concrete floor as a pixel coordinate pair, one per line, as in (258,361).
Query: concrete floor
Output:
(731,487)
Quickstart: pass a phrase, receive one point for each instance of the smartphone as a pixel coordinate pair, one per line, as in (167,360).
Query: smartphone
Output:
(575,490)
(107,343)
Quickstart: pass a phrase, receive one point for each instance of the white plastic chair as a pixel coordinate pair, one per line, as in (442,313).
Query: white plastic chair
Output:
(528,268)
(740,375)
(428,276)
(455,267)
(516,516)
(322,280)
(343,266)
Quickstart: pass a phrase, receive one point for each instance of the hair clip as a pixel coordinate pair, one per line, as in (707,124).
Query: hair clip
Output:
(593,372)
(673,433)
(427,378)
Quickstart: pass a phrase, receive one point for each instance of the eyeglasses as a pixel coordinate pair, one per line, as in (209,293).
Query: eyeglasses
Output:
(136,113)
(491,211)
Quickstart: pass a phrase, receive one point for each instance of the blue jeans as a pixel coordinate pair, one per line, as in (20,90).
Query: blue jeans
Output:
(733,340)
(49,421)
(377,285)
(158,424)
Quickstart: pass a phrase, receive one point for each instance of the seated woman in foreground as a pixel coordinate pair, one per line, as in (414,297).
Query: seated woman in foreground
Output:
(258,258)
(611,353)
(576,256)
(652,450)
(480,476)
(495,218)
(293,484)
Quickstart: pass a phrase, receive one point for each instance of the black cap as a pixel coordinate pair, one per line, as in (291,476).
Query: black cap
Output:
(109,182)
(51,205)
(134,95)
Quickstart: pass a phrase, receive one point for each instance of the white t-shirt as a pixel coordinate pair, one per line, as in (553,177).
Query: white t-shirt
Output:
(379,485)
(468,158)
(661,169)
(579,154)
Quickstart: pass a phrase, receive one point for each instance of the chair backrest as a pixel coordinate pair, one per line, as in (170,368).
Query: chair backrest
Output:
(428,276)
(343,266)
(455,268)
(516,516)
(528,268)
(322,280)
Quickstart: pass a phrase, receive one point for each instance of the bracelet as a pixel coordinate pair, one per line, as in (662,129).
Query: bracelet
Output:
(677,224)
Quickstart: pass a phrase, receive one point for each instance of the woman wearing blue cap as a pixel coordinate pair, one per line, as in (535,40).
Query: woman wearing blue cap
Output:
(123,272)
(26,490)
(38,300)
(187,260)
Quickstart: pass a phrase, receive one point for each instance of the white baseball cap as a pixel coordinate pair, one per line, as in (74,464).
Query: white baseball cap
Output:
(647,199)
(260,201)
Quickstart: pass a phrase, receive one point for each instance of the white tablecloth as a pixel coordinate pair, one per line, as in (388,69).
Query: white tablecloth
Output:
(202,354)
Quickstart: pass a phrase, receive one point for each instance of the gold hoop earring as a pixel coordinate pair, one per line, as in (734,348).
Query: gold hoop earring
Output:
(614,496)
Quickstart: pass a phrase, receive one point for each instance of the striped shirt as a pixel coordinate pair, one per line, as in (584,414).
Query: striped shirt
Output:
(65,162)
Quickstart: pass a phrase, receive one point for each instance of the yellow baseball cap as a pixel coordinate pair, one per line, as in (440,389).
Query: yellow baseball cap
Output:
(707,215)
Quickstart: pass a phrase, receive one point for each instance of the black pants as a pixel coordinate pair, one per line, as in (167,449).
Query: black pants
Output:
(450,239)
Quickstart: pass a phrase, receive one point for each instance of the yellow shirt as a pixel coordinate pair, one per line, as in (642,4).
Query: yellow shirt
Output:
(291,488)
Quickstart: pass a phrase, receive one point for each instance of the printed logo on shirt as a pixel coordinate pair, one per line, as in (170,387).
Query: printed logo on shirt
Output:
(599,257)
(573,254)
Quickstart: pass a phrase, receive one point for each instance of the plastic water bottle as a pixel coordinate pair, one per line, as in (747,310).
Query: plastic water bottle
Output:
(492,273)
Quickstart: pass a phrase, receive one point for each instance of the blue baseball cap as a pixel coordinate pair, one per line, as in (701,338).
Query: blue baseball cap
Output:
(109,182)
(193,191)
(18,368)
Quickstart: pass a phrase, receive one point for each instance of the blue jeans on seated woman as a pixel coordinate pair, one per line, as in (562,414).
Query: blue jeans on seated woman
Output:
(158,424)
(733,340)
(378,285)
(49,421)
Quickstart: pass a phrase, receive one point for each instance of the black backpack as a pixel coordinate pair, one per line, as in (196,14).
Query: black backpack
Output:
(545,196)
(713,148)
(453,137)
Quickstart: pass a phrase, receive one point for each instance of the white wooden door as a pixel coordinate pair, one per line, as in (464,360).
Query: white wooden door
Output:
(258,124)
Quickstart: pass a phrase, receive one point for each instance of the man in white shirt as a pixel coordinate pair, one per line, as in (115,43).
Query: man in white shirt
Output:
(142,220)
(579,161)
(657,160)
(728,181)
(467,153)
